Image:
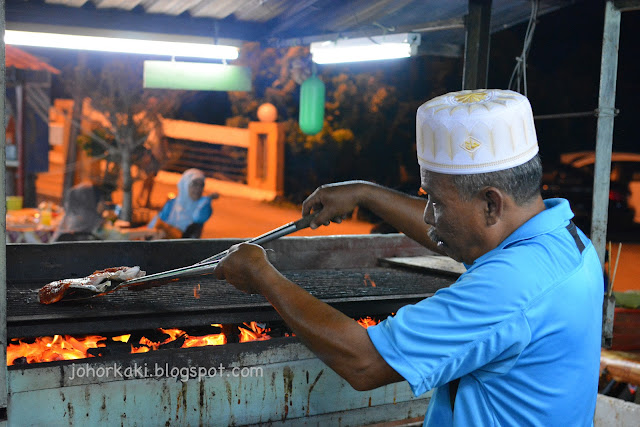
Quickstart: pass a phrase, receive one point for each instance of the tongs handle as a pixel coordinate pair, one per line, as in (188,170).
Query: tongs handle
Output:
(284,230)
(206,266)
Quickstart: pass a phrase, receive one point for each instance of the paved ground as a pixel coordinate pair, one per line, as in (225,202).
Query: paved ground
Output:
(246,218)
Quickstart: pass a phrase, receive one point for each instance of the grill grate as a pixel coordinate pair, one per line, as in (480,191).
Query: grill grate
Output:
(175,302)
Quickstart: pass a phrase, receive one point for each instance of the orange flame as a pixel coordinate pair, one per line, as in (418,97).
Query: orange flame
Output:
(253,333)
(369,281)
(50,349)
(66,347)
(365,322)
(196,291)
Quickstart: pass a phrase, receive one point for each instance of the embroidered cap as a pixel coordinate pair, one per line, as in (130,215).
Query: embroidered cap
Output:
(475,131)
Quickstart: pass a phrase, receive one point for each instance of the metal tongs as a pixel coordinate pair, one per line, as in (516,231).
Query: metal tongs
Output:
(201,268)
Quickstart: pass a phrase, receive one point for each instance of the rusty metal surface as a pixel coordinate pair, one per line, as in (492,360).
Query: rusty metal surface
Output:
(289,386)
(367,291)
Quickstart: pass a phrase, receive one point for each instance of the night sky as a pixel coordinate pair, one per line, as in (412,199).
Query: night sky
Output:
(563,77)
(564,73)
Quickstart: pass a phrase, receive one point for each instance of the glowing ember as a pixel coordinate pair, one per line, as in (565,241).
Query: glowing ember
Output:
(122,338)
(254,332)
(365,322)
(215,339)
(50,349)
(66,347)
(368,281)
(196,291)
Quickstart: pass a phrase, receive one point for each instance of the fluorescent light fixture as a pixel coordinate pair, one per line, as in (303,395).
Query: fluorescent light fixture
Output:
(123,45)
(196,76)
(365,49)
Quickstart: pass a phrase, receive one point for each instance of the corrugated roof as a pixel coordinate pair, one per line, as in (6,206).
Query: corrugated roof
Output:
(20,59)
(277,21)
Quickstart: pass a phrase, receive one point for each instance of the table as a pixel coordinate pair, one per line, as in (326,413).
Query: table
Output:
(23,226)
(119,231)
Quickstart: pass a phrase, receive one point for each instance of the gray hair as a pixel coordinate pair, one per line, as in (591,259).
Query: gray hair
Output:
(522,182)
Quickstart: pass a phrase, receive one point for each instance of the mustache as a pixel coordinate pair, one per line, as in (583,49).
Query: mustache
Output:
(433,235)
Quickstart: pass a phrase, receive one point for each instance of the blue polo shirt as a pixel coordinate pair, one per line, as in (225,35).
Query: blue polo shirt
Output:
(520,329)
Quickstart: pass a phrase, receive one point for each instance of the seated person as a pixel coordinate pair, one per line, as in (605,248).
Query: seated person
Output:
(185,215)
(82,218)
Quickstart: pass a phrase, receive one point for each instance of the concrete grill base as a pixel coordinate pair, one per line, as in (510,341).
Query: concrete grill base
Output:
(294,388)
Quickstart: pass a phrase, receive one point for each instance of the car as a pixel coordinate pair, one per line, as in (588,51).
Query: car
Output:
(573,180)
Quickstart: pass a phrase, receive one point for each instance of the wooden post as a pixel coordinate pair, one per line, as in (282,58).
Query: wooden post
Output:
(477,38)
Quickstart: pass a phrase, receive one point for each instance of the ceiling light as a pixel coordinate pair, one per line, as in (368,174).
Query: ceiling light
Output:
(123,45)
(365,49)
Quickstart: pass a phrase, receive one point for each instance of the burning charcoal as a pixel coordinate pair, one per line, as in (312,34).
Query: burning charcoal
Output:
(20,361)
(231,331)
(198,331)
(154,335)
(177,343)
(113,347)
(98,352)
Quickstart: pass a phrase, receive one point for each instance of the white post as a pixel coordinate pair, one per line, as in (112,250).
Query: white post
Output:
(604,142)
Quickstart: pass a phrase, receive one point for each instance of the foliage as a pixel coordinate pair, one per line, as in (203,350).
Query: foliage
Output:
(369,127)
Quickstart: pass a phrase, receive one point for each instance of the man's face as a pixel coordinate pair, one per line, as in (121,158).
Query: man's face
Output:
(195,189)
(457,226)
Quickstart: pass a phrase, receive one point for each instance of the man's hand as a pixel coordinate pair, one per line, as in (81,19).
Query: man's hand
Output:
(169,230)
(246,267)
(335,201)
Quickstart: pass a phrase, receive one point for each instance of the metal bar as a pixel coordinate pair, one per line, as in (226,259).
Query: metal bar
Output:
(3,239)
(477,38)
(439,25)
(627,5)
(565,115)
(594,113)
(604,137)
(604,142)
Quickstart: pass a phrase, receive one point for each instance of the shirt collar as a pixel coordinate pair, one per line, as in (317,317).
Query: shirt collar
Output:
(557,214)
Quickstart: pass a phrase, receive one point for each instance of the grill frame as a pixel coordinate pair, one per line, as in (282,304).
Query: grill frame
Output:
(297,388)
(173,305)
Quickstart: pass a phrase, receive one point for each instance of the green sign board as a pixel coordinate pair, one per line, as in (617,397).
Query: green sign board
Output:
(196,76)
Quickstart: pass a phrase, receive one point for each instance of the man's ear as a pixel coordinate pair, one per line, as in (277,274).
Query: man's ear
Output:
(493,201)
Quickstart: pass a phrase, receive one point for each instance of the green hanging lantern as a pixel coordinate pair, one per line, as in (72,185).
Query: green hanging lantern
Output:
(311,117)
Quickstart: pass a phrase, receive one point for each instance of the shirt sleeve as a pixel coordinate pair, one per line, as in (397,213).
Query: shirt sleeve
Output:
(459,330)
(203,210)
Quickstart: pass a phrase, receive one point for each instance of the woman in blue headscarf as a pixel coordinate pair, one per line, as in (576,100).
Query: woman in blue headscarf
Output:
(185,215)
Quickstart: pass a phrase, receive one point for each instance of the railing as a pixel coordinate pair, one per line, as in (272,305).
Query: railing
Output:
(216,161)
(252,157)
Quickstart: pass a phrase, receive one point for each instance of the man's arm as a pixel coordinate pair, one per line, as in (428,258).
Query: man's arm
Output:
(336,339)
(405,213)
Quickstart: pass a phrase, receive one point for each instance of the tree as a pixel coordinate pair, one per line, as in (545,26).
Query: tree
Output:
(369,126)
(129,119)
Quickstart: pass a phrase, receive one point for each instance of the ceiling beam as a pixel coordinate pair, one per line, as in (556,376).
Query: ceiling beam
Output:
(134,20)
(627,5)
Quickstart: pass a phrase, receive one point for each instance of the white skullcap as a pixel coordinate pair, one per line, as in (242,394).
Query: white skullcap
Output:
(475,131)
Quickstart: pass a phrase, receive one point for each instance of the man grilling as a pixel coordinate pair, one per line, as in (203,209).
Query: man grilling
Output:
(516,339)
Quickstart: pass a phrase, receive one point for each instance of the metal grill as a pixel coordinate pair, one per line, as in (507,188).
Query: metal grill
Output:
(175,305)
